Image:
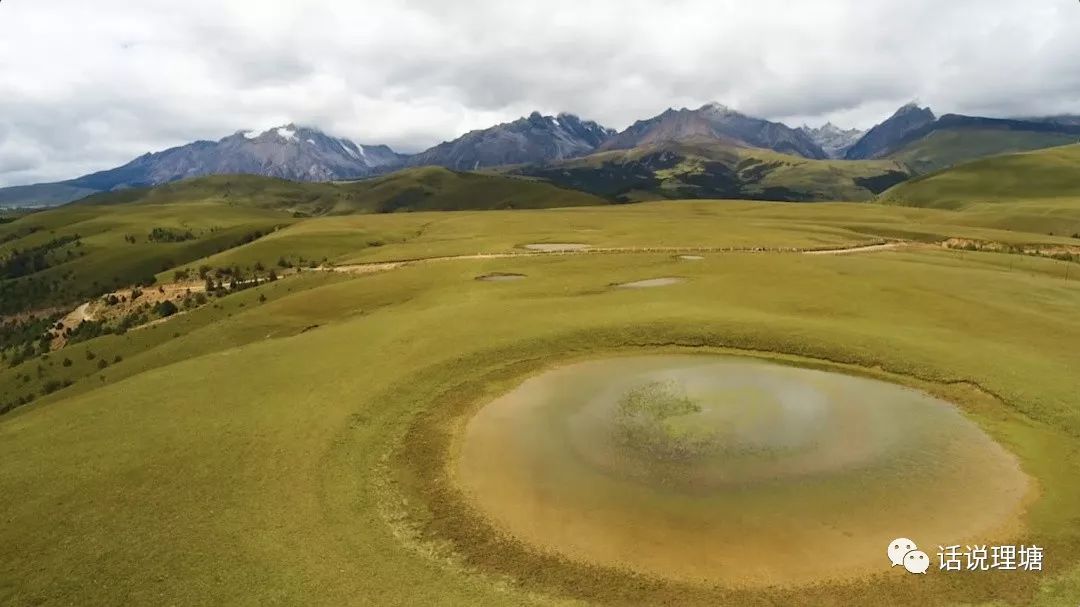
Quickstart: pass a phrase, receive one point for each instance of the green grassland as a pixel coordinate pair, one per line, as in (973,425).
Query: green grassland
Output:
(725,224)
(242,459)
(260,450)
(1042,175)
(948,147)
(286,444)
(707,169)
(107,241)
(76,252)
(420,189)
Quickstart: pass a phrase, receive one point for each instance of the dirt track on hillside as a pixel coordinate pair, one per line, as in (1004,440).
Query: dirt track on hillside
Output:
(86,311)
(380,266)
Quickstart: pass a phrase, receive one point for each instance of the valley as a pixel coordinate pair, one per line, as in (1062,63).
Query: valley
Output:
(330,418)
(539,304)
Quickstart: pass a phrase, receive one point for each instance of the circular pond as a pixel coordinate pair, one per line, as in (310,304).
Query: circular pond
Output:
(730,470)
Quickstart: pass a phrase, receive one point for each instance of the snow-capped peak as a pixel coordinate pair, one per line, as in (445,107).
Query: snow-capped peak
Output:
(352,149)
(719,108)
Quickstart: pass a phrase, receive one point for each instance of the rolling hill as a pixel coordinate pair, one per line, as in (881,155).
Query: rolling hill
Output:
(81,250)
(956,142)
(1038,175)
(251,449)
(418,189)
(925,143)
(705,168)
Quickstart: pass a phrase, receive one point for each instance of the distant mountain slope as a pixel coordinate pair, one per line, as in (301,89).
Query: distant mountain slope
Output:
(417,189)
(535,138)
(1069,119)
(705,168)
(925,143)
(1049,173)
(943,148)
(717,122)
(288,152)
(954,139)
(41,194)
(832,139)
(888,135)
(912,136)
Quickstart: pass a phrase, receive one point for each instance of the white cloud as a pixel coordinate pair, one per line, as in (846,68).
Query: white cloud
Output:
(89,85)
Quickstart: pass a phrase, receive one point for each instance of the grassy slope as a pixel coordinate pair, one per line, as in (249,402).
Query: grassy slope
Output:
(948,147)
(254,474)
(222,211)
(44,194)
(104,259)
(711,170)
(1045,175)
(372,238)
(427,188)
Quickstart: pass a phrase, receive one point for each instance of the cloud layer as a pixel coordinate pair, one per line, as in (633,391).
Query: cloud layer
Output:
(90,85)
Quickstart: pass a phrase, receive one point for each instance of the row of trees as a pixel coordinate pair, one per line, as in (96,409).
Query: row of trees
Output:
(19,263)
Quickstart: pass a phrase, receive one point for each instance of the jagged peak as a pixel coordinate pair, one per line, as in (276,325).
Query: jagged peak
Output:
(719,108)
(911,107)
(558,120)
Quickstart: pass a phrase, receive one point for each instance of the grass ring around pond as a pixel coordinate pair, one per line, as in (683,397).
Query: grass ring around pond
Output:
(599,490)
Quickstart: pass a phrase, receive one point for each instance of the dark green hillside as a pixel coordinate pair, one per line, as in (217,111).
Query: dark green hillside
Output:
(72,253)
(109,240)
(420,189)
(1040,175)
(948,147)
(954,139)
(707,169)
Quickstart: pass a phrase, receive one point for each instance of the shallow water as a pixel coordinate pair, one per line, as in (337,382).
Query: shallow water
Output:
(650,283)
(731,470)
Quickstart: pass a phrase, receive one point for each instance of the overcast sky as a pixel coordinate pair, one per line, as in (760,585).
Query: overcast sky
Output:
(87,85)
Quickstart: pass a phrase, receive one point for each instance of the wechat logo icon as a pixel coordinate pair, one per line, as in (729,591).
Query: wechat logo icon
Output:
(905,553)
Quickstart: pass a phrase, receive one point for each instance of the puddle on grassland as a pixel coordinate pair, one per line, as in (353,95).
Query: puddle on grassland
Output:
(500,277)
(650,283)
(729,470)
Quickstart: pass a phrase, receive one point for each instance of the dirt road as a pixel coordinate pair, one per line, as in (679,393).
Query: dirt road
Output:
(364,268)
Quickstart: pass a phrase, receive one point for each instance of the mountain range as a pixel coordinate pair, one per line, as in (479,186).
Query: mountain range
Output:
(531,139)
(568,150)
(833,140)
(715,121)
